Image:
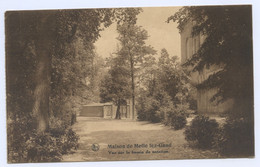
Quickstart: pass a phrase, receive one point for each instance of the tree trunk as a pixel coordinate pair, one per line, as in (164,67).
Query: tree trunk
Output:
(118,114)
(43,47)
(133,86)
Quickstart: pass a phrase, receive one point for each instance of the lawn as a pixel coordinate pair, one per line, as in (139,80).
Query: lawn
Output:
(149,141)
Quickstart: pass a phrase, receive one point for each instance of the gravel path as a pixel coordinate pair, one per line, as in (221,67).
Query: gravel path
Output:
(148,141)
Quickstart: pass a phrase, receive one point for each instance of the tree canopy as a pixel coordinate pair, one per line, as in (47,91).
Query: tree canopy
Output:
(48,57)
(115,86)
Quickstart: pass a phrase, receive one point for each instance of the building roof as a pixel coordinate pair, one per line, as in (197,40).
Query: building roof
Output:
(99,104)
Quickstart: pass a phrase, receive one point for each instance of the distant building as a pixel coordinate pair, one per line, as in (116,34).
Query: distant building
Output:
(106,110)
(189,46)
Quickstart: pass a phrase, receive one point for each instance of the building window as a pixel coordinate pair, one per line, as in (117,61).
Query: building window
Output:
(194,48)
(187,49)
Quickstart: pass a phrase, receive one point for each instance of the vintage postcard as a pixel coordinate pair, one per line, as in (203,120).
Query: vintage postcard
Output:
(120,84)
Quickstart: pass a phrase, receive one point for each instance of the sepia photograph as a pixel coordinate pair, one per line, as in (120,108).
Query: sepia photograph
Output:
(121,84)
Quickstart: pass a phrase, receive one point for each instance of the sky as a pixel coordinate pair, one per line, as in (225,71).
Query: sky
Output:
(161,34)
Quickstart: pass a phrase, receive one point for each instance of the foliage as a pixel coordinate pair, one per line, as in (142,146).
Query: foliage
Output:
(176,118)
(228,43)
(20,51)
(53,55)
(165,89)
(69,40)
(152,108)
(143,106)
(133,47)
(174,81)
(202,131)
(25,144)
(167,75)
(74,64)
(132,39)
(165,93)
(159,108)
(127,15)
(115,85)
(235,138)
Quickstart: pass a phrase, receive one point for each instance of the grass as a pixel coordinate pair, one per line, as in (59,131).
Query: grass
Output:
(124,132)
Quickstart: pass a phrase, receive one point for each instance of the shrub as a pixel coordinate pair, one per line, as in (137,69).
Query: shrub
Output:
(176,119)
(156,116)
(151,107)
(236,138)
(147,110)
(26,145)
(18,132)
(142,108)
(155,113)
(47,148)
(202,131)
(42,148)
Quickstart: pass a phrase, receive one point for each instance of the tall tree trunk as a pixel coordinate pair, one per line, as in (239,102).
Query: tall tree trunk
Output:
(43,47)
(132,84)
(118,113)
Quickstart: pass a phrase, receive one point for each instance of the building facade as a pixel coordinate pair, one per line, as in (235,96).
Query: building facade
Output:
(189,46)
(106,110)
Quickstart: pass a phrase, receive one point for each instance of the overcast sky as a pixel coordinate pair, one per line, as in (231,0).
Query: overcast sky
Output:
(161,34)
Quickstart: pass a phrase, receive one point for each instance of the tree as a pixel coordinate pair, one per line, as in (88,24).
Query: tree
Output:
(73,63)
(166,93)
(45,71)
(169,74)
(166,74)
(34,39)
(132,39)
(175,81)
(115,85)
(47,40)
(228,32)
(147,74)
